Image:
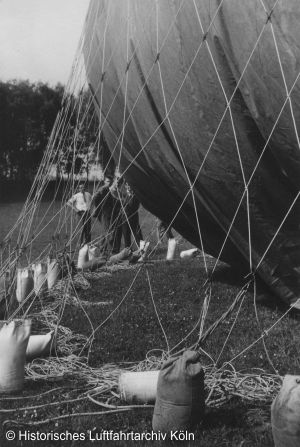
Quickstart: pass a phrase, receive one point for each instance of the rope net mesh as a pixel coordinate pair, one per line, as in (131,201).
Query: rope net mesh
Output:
(107,98)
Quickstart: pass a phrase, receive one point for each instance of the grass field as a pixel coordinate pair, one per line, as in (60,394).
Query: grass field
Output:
(134,330)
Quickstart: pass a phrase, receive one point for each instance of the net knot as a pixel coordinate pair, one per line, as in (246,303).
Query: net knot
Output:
(269,16)
(127,66)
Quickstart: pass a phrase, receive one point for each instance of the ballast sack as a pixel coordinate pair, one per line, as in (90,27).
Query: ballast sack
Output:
(138,387)
(172,243)
(83,256)
(93,252)
(25,283)
(140,255)
(39,345)
(188,254)
(40,278)
(4,285)
(13,343)
(144,252)
(180,400)
(285,413)
(53,272)
(119,257)
(94,264)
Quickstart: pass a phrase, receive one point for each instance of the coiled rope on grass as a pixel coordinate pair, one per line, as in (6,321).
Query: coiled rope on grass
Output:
(221,386)
(222,383)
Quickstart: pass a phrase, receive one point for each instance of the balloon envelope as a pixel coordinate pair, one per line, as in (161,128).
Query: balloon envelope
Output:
(200,102)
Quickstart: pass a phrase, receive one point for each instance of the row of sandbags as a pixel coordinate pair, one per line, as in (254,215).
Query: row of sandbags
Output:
(43,276)
(178,392)
(36,279)
(89,257)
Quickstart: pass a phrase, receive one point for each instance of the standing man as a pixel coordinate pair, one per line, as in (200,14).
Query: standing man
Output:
(131,209)
(81,204)
(107,211)
(129,215)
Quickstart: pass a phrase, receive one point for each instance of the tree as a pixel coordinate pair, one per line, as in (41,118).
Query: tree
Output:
(27,115)
(80,143)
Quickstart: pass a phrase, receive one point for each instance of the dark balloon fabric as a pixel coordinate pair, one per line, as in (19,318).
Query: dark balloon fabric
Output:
(162,73)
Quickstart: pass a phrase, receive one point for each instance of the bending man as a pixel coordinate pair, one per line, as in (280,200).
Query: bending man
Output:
(81,204)
(107,210)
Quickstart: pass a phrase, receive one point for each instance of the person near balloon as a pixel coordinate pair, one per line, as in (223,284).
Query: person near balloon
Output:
(163,229)
(132,225)
(107,210)
(129,217)
(80,202)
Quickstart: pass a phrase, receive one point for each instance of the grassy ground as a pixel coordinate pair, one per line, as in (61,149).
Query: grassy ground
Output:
(133,330)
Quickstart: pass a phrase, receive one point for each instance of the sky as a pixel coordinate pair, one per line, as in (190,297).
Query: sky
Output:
(38,38)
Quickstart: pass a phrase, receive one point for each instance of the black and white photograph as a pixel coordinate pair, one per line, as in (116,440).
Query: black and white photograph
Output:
(150,223)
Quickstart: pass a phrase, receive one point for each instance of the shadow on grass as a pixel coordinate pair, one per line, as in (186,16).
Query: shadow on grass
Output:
(233,276)
(237,425)
(271,301)
(226,274)
(237,414)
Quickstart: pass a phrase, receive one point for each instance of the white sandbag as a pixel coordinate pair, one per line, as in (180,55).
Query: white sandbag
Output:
(188,254)
(4,285)
(53,272)
(25,283)
(83,256)
(135,256)
(138,387)
(171,249)
(119,257)
(142,245)
(39,345)
(94,264)
(144,252)
(285,413)
(40,277)
(93,252)
(13,343)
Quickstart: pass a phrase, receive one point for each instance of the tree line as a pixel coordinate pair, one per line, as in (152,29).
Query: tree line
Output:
(27,115)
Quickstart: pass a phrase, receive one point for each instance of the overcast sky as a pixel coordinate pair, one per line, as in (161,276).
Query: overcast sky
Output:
(38,38)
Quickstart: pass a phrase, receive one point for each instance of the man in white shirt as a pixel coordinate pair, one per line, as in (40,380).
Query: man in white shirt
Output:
(81,204)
